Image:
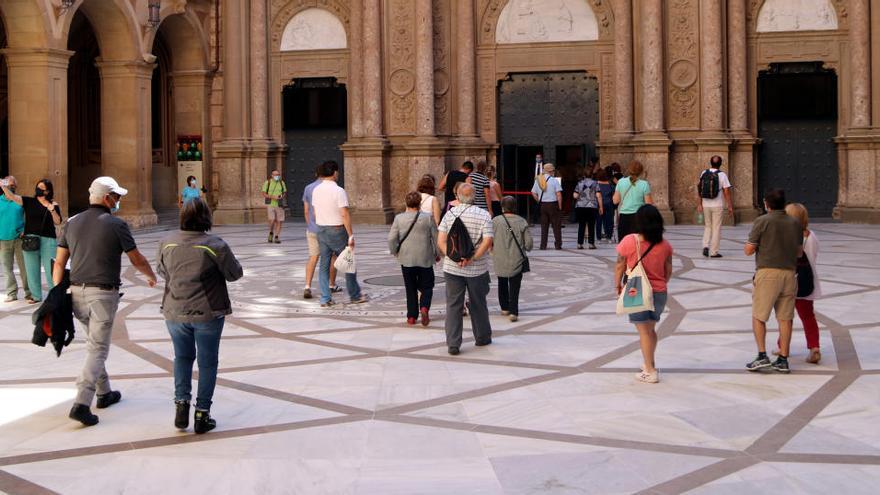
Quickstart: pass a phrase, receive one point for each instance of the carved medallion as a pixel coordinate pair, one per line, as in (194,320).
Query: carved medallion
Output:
(683,74)
(402,82)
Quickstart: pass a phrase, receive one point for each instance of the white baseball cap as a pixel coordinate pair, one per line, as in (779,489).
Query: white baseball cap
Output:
(106,185)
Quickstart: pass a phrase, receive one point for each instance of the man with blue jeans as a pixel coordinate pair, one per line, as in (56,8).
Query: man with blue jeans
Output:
(333,219)
(11,227)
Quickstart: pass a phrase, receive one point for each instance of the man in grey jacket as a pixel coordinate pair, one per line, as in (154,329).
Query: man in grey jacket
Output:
(413,239)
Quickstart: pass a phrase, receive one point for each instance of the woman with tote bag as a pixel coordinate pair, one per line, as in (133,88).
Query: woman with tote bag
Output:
(648,254)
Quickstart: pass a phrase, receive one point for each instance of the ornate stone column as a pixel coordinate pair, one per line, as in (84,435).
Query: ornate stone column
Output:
(356,69)
(259,70)
(623,68)
(711,66)
(652,80)
(860,63)
(737,67)
(37,84)
(126,148)
(424,69)
(466,59)
(366,160)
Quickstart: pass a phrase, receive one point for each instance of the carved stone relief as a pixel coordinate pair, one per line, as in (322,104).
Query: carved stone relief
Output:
(683,69)
(442,49)
(796,15)
(529,21)
(282,11)
(606,92)
(313,29)
(487,96)
(401,62)
(756,6)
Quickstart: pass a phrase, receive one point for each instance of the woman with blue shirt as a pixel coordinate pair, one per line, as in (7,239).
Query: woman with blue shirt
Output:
(190,191)
(631,194)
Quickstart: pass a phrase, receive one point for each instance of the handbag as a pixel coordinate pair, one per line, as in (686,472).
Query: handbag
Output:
(637,294)
(525,266)
(345,262)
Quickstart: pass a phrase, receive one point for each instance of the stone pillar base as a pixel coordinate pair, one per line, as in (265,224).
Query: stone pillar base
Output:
(652,149)
(368,180)
(857,215)
(140,219)
(241,167)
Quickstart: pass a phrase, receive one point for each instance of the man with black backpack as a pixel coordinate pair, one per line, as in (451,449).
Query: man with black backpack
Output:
(465,239)
(713,192)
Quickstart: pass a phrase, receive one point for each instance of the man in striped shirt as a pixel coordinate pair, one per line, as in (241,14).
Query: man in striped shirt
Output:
(480,182)
(468,274)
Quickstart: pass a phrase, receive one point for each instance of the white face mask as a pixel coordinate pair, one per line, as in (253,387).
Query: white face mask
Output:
(115,208)
(276,177)
(192,183)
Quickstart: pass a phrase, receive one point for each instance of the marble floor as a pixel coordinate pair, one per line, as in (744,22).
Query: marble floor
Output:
(352,401)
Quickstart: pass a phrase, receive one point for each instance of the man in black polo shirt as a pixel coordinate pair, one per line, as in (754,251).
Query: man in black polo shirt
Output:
(94,241)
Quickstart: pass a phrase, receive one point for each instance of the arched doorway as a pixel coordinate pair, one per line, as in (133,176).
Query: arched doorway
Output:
(797,123)
(162,129)
(83,113)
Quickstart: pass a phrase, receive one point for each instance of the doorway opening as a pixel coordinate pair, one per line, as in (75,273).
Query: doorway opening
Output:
(555,114)
(315,126)
(797,122)
(84,113)
(163,141)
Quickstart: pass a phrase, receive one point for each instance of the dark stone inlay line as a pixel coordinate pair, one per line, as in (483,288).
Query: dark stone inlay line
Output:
(12,484)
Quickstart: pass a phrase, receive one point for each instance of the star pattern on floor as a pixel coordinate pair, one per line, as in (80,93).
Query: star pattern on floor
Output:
(352,400)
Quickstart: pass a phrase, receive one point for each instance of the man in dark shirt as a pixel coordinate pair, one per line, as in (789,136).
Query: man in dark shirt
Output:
(452,178)
(94,241)
(778,241)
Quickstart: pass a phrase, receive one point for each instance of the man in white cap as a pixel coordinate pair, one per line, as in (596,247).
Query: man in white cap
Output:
(94,241)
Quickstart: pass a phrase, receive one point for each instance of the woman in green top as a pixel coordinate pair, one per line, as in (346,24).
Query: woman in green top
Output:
(631,194)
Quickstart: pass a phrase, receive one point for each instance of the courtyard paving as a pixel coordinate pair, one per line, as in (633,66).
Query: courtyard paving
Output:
(311,401)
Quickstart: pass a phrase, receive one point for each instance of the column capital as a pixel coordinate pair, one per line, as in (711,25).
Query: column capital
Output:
(125,68)
(37,57)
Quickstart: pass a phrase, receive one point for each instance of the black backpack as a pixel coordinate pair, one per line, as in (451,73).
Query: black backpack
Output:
(459,245)
(709,184)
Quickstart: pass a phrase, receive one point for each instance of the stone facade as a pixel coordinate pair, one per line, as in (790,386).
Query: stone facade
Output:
(678,83)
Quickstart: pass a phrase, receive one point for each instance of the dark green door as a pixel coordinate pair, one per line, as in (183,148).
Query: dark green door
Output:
(797,124)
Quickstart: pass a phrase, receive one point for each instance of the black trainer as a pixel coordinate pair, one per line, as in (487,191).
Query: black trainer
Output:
(758,364)
(181,415)
(716,255)
(781,366)
(83,414)
(706,252)
(108,399)
(453,351)
(481,343)
(203,422)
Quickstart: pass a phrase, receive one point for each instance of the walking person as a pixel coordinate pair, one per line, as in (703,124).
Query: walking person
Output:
(190,191)
(196,267)
(41,215)
(808,283)
(713,192)
(11,229)
(452,178)
(312,240)
(480,182)
(547,192)
(494,193)
(428,203)
(777,240)
(413,240)
(470,274)
(587,209)
(94,242)
(274,191)
(605,223)
(334,232)
(646,245)
(512,240)
(631,194)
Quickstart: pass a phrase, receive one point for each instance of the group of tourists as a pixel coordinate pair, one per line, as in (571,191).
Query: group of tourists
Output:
(473,222)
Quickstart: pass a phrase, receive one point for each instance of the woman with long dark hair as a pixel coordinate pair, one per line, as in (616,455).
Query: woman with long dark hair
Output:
(39,243)
(648,247)
(196,267)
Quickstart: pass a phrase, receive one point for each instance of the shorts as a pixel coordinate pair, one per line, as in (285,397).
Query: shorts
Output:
(275,213)
(774,289)
(314,248)
(646,316)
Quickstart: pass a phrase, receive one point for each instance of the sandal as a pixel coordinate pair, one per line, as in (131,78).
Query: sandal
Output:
(646,377)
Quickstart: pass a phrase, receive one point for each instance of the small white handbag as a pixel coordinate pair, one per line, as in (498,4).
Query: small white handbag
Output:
(345,262)
(637,294)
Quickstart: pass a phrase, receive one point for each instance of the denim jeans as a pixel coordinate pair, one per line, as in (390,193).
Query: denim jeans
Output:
(33,260)
(332,241)
(10,253)
(194,341)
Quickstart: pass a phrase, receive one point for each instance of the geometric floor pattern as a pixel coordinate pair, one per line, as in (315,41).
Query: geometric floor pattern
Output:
(352,401)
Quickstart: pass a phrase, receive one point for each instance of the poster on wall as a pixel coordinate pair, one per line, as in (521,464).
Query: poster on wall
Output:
(189,160)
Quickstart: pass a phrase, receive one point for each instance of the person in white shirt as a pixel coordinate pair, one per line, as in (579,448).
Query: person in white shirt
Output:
(712,208)
(547,192)
(333,219)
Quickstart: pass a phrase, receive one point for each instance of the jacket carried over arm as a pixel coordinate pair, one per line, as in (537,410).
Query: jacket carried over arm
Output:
(196,267)
(53,320)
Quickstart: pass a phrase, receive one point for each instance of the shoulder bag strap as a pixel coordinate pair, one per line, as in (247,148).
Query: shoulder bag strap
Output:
(638,249)
(513,234)
(413,224)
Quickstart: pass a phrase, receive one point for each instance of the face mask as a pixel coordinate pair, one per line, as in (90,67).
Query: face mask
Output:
(276,177)
(192,183)
(115,208)
(38,193)
(539,160)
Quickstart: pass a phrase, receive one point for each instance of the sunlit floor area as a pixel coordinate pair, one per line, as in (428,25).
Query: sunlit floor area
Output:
(353,401)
